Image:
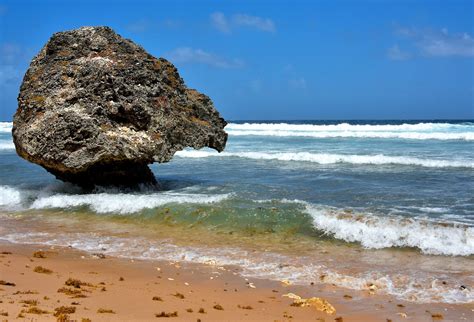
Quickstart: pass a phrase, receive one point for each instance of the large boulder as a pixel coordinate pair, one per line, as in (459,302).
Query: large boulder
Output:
(96,109)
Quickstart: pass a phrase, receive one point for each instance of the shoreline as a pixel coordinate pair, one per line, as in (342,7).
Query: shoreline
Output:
(127,287)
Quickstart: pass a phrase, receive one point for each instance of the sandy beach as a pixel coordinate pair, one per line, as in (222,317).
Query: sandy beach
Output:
(45,284)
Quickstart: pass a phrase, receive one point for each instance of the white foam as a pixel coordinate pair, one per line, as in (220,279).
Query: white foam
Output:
(122,203)
(346,127)
(326,158)
(393,231)
(7,145)
(6,127)
(403,285)
(420,131)
(467,136)
(9,196)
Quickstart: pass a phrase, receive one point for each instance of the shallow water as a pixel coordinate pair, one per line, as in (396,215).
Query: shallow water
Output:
(348,204)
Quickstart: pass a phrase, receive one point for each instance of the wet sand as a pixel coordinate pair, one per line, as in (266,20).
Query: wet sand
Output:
(39,283)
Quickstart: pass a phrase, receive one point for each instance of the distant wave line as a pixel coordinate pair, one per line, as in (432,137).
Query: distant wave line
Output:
(349,127)
(466,136)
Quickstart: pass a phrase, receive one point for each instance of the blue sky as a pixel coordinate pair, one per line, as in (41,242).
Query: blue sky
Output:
(278,59)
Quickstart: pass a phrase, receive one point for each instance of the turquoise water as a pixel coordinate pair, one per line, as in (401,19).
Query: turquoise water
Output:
(348,200)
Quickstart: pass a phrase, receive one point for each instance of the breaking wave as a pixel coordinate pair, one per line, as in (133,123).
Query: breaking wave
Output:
(119,203)
(393,231)
(420,131)
(6,127)
(350,127)
(123,203)
(6,145)
(325,158)
(9,196)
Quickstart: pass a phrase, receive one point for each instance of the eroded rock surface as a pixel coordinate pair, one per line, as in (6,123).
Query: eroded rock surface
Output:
(96,109)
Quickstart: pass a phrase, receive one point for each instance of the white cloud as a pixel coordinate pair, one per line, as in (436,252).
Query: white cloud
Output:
(139,26)
(226,25)
(395,53)
(219,21)
(297,83)
(439,43)
(199,56)
(263,24)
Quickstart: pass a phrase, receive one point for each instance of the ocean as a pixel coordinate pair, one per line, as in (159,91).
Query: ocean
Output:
(349,203)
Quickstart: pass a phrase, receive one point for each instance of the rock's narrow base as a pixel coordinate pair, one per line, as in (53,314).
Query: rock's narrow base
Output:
(126,174)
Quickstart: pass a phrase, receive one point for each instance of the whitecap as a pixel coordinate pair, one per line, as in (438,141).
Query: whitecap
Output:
(466,136)
(6,127)
(7,145)
(9,196)
(346,127)
(328,158)
(122,203)
(378,232)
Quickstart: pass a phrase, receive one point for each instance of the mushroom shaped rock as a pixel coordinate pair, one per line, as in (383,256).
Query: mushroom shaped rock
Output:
(97,109)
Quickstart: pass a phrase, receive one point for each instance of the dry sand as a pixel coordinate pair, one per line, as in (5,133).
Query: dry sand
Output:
(114,289)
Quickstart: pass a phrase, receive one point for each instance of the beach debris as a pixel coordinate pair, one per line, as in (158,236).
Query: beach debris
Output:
(62,318)
(64,310)
(98,255)
(86,320)
(245,307)
(5,283)
(164,314)
(210,262)
(35,310)
(30,302)
(403,315)
(76,283)
(339,319)
(25,292)
(121,279)
(178,295)
(372,288)
(5,253)
(319,303)
(157,298)
(285,282)
(170,279)
(71,292)
(251,285)
(108,311)
(218,307)
(437,316)
(104,109)
(347,297)
(42,270)
(202,311)
(158,269)
(39,254)
(186,283)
